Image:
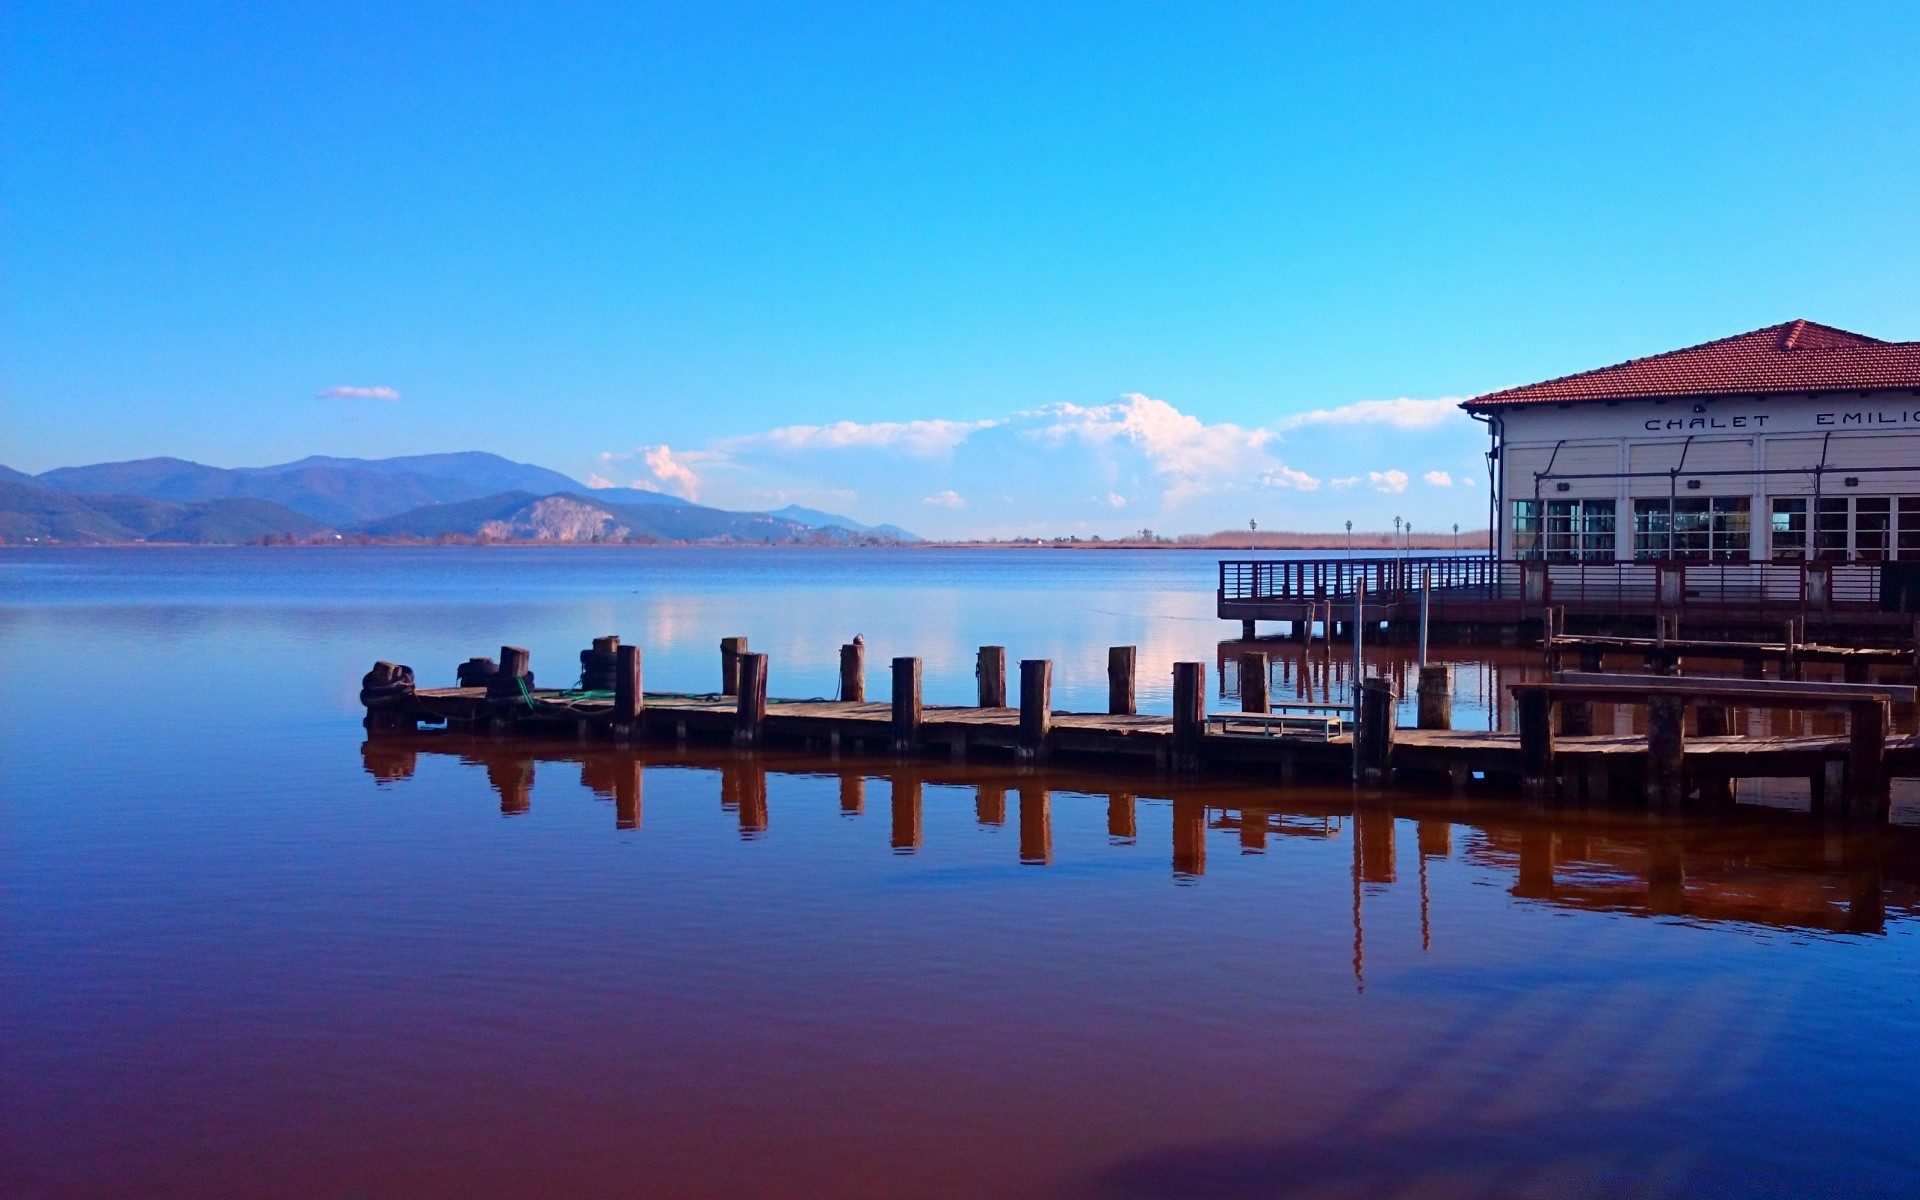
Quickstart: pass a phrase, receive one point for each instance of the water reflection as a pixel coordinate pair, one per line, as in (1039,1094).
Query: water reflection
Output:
(1759,867)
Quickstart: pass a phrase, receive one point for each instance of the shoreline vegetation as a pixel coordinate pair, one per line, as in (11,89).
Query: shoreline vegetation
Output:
(1467,541)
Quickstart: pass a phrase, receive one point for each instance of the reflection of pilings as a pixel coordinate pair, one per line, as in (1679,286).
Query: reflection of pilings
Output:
(1253,832)
(1536,864)
(626,794)
(1036,826)
(513,779)
(1189,838)
(1435,838)
(1121,826)
(1666,877)
(1374,833)
(387,763)
(853,795)
(906,816)
(730,787)
(990,805)
(753,801)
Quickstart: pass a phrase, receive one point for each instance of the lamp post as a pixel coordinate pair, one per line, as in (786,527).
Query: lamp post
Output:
(1349,539)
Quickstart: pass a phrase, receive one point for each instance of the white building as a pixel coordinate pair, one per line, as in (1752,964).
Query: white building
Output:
(1794,441)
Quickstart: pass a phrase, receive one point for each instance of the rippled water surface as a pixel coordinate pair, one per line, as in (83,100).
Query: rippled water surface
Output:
(244,952)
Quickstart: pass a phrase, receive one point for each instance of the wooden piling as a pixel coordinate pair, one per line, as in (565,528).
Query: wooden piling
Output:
(1120,675)
(1536,743)
(1373,741)
(1253,683)
(906,810)
(628,698)
(1036,705)
(1866,758)
(853,672)
(626,794)
(750,710)
(1666,750)
(906,705)
(731,649)
(1189,833)
(1036,826)
(1121,824)
(1189,713)
(990,805)
(990,669)
(853,795)
(1436,697)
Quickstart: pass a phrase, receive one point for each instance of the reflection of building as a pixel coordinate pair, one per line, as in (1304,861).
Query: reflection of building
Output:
(1794,441)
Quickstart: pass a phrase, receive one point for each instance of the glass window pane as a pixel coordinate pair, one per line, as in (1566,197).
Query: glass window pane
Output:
(1909,527)
(1652,528)
(1872,520)
(1830,527)
(1789,527)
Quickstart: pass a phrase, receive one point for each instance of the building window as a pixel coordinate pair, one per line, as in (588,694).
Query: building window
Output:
(1714,527)
(1872,523)
(1830,528)
(1526,528)
(1790,527)
(1908,544)
(1864,528)
(1577,529)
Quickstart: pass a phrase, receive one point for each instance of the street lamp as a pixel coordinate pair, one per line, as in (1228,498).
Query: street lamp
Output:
(1349,539)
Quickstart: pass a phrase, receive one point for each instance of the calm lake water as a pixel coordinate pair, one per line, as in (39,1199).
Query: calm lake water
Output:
(244,953)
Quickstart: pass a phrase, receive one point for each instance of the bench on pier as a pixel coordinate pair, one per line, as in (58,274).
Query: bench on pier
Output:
(1311,722)
(1667,698)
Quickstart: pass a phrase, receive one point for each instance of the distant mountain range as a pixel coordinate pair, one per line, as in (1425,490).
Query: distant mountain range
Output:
(469,495)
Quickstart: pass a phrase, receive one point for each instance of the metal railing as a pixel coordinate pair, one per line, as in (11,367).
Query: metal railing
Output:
(1669,583)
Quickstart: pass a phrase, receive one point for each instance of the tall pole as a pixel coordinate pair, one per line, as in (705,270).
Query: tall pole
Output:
(1359,610)
(1426,609)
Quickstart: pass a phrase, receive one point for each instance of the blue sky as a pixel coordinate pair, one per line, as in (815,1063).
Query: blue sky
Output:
(971,269)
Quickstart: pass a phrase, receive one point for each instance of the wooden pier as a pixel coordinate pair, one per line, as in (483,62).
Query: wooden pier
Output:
(1553,754)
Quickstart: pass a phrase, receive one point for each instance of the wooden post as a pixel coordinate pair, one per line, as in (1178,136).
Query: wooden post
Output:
(1536,742)
(1036,706)
(853,672)
(627,781)
(1866,758)
(990,805)
(514,663)
(1121,825)
(1373,741)
(1436,696)
(906,704)
(730,651)
(750,708)
(906,807)
(1253,683)
(1246,631)
(628,699)
(853,795)
(1666,750)
(1426,614)
(1189,835)
(991,671)
(1120,666)
(752,792)
(1189,713)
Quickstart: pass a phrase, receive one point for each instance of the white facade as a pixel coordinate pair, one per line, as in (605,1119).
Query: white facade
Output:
(1832,475)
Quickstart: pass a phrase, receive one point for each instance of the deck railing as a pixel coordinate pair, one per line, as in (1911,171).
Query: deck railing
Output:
(1783,584)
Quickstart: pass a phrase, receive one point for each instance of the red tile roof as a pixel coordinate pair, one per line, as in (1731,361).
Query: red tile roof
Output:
(1798,356)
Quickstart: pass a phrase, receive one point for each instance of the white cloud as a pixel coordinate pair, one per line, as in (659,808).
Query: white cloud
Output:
(922,439)
(1438,478)
(1387,481)
(600,481)
(358,393)
(1116,500)
(1401,414)
(673,472)
(1284,476)
(1466,481)
(1345,481)
(1192,455)
(946,499)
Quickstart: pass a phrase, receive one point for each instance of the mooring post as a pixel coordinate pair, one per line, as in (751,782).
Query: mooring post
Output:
(1036,706)
(514,664)
(1189,837)
(1036,826)
(990,669)
(730,651)
(1373,741)
(628,699)
(1120,666)
(1536,742)
(853,672)
(750,708)
(1666,750)
(906,811)
(1866,758)
(906,705)
(626,795)
(1253,683)
(1189,713)
(1436,696)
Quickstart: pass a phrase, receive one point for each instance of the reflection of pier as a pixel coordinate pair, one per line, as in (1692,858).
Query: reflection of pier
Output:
(1763,868)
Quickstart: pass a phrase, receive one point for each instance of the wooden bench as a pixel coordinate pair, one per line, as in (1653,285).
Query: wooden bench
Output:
(1667,698)
(1318,727)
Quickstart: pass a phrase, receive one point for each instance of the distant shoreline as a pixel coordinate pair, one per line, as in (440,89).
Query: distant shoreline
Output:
(1466,545)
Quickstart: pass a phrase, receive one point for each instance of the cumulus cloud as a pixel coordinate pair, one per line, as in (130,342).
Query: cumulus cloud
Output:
(946,499)
(1116,500)
(600,481)
(1387,481)
(1190,454)
(358,393)
(1345,481)
(673,472)
(1400,414)
(1438,478)
(1284,476)
(922,439)
(1466,481)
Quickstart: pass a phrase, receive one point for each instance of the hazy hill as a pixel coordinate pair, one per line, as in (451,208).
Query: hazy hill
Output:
(583,516)
(485,474)
(28,512)
(9,475)
(813,518)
